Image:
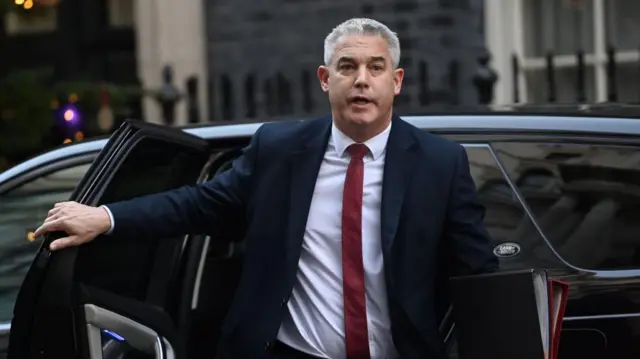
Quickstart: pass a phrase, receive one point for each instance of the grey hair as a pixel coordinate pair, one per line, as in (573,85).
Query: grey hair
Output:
(362,26)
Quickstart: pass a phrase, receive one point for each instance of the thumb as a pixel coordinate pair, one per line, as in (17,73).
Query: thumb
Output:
(64,242)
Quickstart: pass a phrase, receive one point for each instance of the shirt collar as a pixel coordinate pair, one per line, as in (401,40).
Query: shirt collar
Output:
(376,144)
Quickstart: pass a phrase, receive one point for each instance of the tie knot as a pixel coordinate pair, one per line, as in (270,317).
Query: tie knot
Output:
(357,150)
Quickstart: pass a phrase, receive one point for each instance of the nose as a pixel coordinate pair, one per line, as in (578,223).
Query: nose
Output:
(362,77)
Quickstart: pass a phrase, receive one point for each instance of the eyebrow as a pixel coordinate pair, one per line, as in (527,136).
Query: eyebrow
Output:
(351,59)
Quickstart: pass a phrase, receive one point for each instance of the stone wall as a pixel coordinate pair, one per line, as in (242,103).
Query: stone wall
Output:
(262,39)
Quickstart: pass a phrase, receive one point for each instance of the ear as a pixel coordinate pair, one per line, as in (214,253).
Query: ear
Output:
(323,76)
(398,76)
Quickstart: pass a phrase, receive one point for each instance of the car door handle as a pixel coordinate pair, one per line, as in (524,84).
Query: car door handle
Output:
(137,335)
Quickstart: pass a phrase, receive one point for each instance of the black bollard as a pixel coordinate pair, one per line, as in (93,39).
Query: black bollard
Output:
(193,109)
(168,96)
(485,79)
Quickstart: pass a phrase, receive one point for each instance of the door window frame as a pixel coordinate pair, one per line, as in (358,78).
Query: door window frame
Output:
(21,179)
(90,190)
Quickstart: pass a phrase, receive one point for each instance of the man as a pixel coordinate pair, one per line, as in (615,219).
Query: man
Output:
(352,221)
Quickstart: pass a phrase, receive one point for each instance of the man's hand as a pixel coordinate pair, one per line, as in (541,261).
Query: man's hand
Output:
(81,223)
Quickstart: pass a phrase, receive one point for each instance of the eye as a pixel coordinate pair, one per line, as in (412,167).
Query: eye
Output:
(376,68)
(346,67)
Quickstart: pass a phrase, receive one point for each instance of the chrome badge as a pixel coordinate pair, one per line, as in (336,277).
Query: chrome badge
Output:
(506,250)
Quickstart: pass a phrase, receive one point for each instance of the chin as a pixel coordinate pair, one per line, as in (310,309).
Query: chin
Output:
(362,119)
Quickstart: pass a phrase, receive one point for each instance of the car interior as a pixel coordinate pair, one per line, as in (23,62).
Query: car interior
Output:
(215,261)
(220,269)
(591,189)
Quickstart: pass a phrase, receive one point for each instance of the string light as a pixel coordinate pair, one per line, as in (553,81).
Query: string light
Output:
(28,4)
(69,115)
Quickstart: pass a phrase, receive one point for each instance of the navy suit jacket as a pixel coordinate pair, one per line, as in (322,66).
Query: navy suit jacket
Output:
(431,223)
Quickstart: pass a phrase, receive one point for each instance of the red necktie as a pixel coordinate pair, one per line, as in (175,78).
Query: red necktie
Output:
(355,313)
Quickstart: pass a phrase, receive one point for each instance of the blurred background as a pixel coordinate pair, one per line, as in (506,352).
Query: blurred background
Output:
(74,69)
(71,70)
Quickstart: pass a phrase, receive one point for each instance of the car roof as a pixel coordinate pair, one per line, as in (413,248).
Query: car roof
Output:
(556,121)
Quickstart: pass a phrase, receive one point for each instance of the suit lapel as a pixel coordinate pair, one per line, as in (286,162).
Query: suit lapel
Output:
(305,165)
(400,160)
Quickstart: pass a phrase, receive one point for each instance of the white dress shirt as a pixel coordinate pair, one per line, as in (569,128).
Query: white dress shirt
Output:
(314,323)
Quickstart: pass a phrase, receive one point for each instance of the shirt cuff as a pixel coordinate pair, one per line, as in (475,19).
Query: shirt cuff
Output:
(110,219)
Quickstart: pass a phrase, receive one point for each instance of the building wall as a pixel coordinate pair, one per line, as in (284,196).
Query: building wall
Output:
(267,37)
(170,32)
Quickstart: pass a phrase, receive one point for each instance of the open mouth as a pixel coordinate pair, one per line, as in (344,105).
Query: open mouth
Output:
(360,100)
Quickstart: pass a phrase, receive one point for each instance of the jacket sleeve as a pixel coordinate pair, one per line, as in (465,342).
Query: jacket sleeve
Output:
(468,242)
(194,209)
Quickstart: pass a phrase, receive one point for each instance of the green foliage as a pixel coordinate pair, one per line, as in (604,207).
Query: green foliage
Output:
(27,104)
(90,94)
(25,113)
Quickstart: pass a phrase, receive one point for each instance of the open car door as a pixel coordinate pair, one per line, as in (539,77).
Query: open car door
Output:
(113,297)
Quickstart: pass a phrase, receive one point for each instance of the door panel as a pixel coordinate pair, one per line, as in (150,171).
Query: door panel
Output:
(139,336)
(71,300)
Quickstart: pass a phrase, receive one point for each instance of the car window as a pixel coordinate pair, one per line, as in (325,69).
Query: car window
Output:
(511,229)
(516,240)
(22,210)
(586,198)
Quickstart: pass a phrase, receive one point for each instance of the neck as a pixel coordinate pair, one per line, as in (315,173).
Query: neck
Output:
(364,132)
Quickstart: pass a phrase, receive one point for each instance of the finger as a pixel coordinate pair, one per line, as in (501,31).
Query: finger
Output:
(55,225)
(53,211)
(52,218)
(64,242)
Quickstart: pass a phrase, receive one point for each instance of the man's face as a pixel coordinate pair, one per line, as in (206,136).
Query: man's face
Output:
(361,82)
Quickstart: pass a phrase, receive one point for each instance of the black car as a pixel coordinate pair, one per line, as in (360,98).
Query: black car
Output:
(562,192)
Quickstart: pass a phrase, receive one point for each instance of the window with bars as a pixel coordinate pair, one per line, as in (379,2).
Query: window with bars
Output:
(552,33)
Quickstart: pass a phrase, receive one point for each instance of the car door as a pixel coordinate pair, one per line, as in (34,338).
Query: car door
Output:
(114,297)
(550,198)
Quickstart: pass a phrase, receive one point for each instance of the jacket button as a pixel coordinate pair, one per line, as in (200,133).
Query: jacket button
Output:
(267,345)
(283,302)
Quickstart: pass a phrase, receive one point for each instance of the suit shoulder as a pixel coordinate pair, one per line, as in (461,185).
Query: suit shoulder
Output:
(279,134)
